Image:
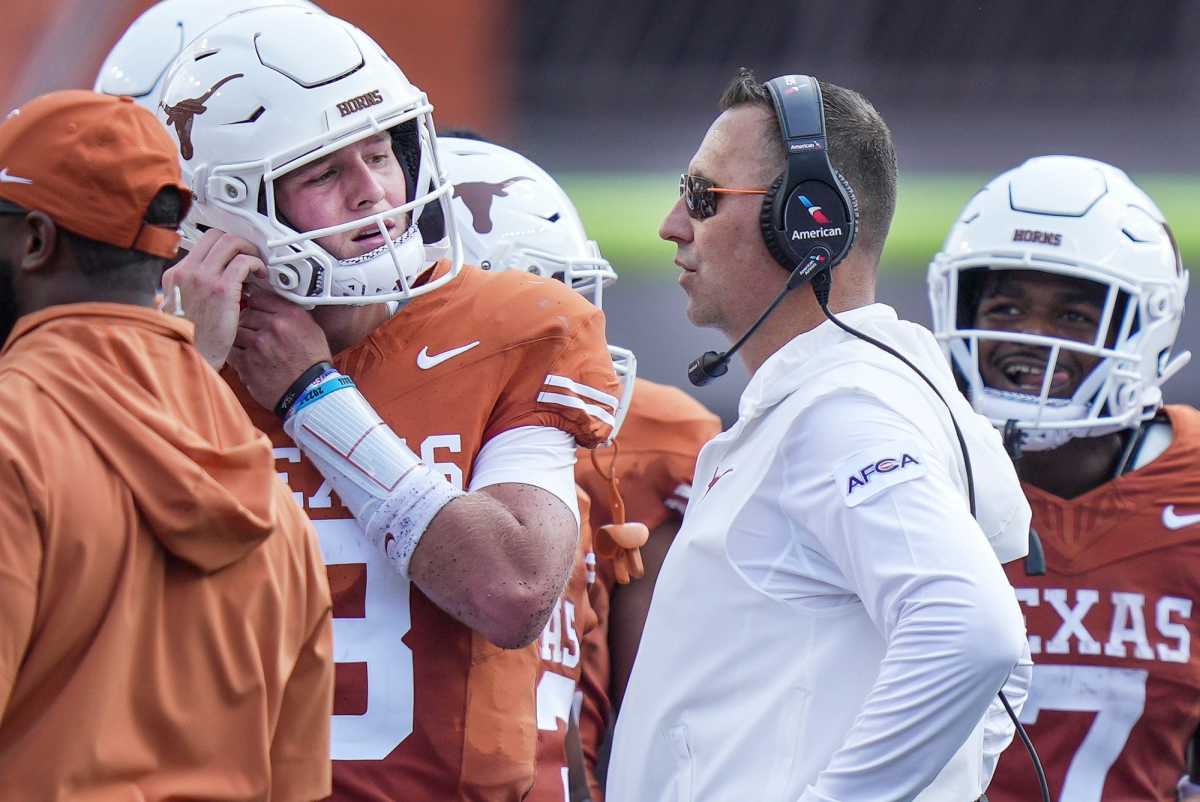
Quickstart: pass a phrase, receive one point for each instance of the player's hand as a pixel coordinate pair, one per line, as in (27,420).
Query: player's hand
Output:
(276,342)
(210,280)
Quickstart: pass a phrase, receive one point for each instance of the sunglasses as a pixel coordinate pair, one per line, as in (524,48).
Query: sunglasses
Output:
(700,195)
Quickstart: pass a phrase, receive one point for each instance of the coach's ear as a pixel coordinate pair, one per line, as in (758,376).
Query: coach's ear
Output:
(36,242)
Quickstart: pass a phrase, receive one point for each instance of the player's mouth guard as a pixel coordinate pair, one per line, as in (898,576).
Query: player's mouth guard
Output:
(390,492)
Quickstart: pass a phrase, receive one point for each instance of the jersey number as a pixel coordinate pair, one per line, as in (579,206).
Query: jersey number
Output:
(1116,695)
(374,639)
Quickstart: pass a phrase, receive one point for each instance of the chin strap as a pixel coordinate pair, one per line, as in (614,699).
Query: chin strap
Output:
(1013,440)
(619,541)
(1035,558)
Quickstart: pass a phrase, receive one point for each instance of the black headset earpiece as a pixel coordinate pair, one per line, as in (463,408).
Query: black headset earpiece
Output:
(767,221)
(811,204)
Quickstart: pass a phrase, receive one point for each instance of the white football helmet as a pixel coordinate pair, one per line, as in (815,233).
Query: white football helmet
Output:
(511,215)
(140,58)
(1082,219)
(267,91)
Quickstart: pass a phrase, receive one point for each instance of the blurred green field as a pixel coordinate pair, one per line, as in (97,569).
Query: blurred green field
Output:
(622,213)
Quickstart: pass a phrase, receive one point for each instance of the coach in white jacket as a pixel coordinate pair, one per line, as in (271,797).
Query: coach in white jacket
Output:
(831,623)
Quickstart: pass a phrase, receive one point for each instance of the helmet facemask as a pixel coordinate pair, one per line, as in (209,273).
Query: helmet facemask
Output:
(302,269)
(1118,392)
(588,274)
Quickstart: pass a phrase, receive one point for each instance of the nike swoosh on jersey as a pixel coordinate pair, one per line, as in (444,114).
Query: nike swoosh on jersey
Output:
(1173,521)
(6,178)
(425,360)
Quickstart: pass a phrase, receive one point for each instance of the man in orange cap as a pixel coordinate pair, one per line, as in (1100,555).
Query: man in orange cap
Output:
(165,613)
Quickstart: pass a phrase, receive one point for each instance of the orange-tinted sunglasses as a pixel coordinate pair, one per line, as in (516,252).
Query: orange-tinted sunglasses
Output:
(700,195)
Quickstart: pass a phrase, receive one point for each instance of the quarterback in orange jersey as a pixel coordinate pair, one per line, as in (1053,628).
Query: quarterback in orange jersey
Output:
(425,414)
(513,216)
(1058,297)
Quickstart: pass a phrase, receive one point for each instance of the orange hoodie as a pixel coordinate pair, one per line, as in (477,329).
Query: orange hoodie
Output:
(164,613)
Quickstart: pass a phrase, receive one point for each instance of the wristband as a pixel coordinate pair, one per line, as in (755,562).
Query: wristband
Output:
(288,399)
(325,385)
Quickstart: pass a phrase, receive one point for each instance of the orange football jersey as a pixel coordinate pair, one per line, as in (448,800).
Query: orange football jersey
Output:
(425,708)
(656,455)
(1114,634)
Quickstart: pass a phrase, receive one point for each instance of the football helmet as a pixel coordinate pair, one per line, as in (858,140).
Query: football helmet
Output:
(268,91)
(511,215)
(1082,219)
(140,58)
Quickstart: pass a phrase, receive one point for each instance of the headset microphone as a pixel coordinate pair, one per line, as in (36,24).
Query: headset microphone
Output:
(712,365)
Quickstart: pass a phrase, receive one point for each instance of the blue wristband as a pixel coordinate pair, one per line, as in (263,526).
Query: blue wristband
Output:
(326,385)
(305,380)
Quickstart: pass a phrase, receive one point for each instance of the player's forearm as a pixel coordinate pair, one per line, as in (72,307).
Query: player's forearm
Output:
(950,651)
(495,573)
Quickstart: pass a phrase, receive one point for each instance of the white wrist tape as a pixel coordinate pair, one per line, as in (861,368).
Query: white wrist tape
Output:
(387,488)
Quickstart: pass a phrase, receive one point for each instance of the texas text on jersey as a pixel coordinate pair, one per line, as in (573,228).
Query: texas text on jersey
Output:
(663,433)
(1116,688)
(424,708)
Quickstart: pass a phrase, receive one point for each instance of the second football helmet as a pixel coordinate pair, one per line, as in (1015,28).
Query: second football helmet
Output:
(1081,219)
(139,60)
(511,215)
(268,91)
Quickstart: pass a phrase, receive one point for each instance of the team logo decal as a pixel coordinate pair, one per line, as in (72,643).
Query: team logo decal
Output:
(183,114)
(478,197)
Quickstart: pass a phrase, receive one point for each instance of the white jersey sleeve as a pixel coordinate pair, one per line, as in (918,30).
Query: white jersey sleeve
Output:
(541,456)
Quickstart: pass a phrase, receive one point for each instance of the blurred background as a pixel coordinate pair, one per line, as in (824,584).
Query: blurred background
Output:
(613,98)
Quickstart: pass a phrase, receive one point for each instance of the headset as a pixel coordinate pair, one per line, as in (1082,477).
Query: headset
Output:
(809,219)
(809,214)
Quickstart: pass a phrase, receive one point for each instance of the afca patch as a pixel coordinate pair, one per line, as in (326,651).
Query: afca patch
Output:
(866,474)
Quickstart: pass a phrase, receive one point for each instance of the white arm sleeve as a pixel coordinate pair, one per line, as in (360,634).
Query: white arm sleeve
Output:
(905,544)
(541,456)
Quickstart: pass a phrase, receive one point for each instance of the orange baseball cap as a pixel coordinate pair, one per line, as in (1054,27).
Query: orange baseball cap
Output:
(92,163)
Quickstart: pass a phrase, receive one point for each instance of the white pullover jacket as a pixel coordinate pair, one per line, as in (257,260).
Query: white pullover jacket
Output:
(831,623)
